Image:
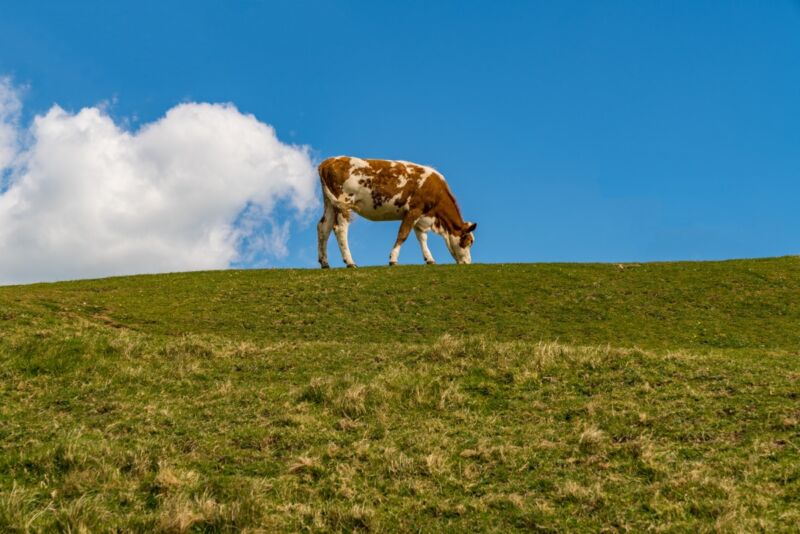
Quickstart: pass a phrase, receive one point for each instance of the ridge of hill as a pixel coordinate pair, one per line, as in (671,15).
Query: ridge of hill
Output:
(733,304)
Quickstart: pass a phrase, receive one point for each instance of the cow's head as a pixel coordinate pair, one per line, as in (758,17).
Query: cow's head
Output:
(460,241)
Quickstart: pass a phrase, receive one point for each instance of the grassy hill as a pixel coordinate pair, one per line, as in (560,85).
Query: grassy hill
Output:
(487,397)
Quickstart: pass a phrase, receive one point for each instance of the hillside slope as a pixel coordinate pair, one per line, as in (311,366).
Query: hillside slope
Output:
(736,304)
(552,398)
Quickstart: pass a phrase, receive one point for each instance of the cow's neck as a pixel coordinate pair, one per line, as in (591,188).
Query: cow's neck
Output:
(449,216)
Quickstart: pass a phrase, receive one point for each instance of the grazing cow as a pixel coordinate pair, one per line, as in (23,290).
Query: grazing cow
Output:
(382,190)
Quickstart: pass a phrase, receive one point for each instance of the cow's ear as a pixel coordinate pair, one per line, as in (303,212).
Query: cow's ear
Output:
(471,227)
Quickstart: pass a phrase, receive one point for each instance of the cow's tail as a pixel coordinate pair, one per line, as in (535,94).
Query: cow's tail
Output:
(326,177)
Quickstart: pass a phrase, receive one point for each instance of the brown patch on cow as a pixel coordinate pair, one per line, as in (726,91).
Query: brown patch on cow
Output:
(330,170)
(384,178)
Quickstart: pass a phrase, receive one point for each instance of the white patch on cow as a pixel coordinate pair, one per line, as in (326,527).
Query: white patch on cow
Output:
(425,224)
(422,237)
(394,254)
(421,228)
(428,172)
(357,163)
(358,198)
(352,192)
(460,254)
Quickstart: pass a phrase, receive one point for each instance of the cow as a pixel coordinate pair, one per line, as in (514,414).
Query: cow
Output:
(384,190)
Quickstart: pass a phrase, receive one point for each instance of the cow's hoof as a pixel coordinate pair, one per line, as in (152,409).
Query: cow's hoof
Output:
(351,265)
(392,263)
(431,262)
(324,266)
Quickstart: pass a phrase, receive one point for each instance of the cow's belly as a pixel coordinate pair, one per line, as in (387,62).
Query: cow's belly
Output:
(360,200)
(384,212)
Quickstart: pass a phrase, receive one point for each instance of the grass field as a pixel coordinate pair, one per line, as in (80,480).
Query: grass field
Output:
(551,398)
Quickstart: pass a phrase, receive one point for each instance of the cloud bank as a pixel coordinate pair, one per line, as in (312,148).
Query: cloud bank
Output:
(199,188)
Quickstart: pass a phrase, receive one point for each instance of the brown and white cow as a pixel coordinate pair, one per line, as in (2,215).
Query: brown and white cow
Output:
(383,190)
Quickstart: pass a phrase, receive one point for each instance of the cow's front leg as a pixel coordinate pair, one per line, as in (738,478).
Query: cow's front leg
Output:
(340,229)
(422,237)
(405,229)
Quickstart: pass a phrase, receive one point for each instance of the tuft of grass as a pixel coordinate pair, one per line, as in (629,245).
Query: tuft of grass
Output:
(353,402)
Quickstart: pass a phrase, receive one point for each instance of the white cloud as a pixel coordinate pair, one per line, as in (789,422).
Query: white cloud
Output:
(193,190)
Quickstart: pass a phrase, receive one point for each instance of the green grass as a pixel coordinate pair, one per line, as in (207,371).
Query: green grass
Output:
(455,398)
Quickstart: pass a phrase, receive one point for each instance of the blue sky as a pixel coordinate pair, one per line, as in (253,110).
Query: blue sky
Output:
(570,131)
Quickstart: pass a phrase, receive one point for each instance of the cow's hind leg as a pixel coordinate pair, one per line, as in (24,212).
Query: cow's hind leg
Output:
(340,227)
(324,228)
(422,237)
